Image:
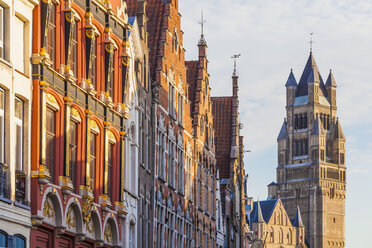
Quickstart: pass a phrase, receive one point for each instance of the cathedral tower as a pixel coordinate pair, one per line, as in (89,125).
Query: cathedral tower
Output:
(311,170)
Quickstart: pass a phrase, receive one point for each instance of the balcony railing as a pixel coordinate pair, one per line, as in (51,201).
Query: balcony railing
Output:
(3,181)
(20,192)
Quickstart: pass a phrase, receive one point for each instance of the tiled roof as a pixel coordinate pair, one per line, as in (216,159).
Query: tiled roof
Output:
(192,73)
(272,184)
(291,81)
(267,207)
(310,68)
(222,112)
(283,134)
(156,23)
(331,80)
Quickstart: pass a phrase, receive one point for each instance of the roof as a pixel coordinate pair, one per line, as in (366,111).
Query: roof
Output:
(338,133)
(283,134)
(310,72)
(222,112)
(297,222)
(331,80)
(291,81)
(267,208)
(273,184)
(192,73)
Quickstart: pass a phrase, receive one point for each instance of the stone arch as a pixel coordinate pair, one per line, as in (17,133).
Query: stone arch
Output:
(94,227)
(75,206)
(111,230)
(54,201)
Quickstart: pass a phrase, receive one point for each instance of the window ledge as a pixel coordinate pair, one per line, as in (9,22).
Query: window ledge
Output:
(3,199)
(22,206)
(5,62)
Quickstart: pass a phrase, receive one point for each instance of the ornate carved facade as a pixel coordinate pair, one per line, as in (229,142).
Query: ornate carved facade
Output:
(311,170)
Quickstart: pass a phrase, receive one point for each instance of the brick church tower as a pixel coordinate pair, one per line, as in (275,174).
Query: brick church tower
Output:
(311,170)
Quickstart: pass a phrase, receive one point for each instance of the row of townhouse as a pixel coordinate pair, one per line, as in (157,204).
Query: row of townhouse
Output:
(106,133)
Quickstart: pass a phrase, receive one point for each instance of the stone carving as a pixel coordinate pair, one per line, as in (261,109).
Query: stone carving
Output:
(48,209)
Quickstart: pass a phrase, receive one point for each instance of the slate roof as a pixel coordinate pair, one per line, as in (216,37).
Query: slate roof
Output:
(291,81)
(310,68)
(267,207)
(331,80)
(272,184)
(338,133)
(297,222)
(283,134)
(222,112)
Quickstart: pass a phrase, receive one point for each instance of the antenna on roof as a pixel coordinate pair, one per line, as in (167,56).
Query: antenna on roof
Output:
(235,57)
(202,21)
(311,42)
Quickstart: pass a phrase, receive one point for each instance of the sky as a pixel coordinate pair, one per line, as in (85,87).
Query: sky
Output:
(272,37)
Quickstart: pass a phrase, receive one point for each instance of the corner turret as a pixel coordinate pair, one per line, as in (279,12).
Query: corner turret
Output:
(331,89)
(291,86)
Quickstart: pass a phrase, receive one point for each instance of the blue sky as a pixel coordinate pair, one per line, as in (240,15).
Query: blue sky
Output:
(273,37)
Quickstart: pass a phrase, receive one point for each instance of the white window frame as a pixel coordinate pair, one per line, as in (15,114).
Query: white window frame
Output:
(19,122)
(2,31)
(2,131)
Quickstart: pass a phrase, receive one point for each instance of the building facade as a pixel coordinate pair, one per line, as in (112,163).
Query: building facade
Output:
(205,169)
(15,121)
(84,125)
(272,228)
(229,154)
(311,170)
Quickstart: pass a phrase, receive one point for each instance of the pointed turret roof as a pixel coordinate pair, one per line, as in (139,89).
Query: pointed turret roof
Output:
(259,213)
(310,68)
(331,80)
(291,80)
(338,133)
(317,127)
(297,222)
(283,134)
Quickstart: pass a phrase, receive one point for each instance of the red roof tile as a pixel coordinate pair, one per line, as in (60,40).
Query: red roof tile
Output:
(222,112)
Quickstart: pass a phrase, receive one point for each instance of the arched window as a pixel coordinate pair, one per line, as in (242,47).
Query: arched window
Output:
(281,235)
(19,242)
(3,239)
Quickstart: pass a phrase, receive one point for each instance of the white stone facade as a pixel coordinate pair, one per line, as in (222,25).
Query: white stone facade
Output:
(15,119)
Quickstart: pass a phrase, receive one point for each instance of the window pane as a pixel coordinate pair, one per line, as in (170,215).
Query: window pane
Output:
(92,158)
(19,242)
(19,58)
(18,109)
(3,240)
(73,153)
(109,169)
(51,33)
(73,59)
(1,32)
(19,146)
(50,140)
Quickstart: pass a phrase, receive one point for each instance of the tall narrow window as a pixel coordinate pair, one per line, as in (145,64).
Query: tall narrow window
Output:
(93,64)
(1,32)
(131,236)
(2,126)
(19,43)
(73,58)
(50,141)
(109,169)
(171,164)
(161,162)
(110,83)
(73,151)
(19,133)
(51,36)
(92,158)
(133,163)
(180,109)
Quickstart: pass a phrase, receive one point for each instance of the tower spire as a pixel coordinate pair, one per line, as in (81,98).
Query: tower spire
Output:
(235,57)
(202,21)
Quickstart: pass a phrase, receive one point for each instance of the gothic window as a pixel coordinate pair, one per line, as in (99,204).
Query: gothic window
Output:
(180,109)
(161,162)
(2,126)
(281,235)
(51,36)
(50,141)
(172,104)
(73,151)
(272,235)
(202,125)
(342,158)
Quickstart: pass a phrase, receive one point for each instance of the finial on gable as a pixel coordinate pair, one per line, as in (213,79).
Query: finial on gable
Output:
(202,22)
